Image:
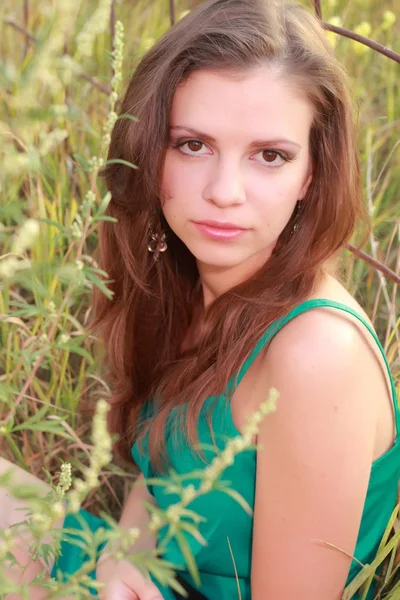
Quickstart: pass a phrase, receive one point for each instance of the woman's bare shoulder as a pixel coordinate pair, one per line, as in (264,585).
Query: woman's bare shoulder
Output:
(332,289)
(323,331)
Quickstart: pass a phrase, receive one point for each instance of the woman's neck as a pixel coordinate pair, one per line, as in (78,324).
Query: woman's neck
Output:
(216,281)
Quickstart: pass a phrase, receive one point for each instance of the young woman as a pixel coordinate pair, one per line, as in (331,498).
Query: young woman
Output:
(224,271)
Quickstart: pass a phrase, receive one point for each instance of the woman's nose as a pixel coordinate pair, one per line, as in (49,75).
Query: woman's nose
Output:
(225,186)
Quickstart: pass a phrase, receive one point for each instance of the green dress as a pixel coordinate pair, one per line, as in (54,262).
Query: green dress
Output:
(224,518)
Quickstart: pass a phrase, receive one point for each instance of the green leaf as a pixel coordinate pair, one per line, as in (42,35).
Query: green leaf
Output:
(82,162)
(99,283)
(394,593)
(156,481)
(26,310)
(40,414)
(382,544)
(103,204)
(121,161)
(111,522)
(189,558)
(71,347)
(369,570)
(99,271)
(46,426)
(236,496)
(191,514)
(56,224)
(105,218)
(175,585)
(127,116)
(90,130)
(6,478)
(74,321)
(193,532)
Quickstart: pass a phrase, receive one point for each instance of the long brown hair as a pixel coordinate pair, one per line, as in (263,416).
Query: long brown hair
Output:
(153,303)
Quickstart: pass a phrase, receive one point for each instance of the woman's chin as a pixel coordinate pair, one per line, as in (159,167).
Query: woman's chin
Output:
(220,260)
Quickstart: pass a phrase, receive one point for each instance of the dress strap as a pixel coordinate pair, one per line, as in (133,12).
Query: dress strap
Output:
(277,325)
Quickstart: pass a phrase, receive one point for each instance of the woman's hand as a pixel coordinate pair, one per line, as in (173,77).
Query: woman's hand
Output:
(117,590)
(123,581)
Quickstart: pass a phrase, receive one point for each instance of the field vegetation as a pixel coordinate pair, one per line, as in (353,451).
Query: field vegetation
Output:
(63,67)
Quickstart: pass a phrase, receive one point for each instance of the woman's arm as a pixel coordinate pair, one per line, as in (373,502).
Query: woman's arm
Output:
(121,578)
(135,514)
(314,463)
(14,511)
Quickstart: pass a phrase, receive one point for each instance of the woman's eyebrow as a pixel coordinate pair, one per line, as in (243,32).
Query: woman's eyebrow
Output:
(255,143)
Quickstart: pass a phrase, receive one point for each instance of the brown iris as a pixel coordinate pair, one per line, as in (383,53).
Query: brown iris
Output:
(193,145)
(270,155)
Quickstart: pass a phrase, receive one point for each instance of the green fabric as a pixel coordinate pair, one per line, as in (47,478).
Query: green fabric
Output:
(72,556)
(225,519)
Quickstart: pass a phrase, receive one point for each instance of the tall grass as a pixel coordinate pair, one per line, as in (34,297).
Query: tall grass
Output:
(59,84)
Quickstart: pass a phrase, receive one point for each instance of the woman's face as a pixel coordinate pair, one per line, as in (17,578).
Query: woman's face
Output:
(237,162)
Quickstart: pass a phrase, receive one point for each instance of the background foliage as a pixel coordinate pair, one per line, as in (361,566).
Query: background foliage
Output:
(59,84)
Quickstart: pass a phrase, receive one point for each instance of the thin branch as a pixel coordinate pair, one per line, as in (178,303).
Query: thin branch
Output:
(96,83)
(172,11)
(392,316)
(363,40)
(374,263)
(318,10)
(31,38)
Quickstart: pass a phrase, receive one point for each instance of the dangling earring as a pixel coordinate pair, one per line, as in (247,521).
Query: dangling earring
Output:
(296,225)
(157,242)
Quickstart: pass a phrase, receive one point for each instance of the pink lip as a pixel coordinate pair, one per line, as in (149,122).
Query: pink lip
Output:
(219,230)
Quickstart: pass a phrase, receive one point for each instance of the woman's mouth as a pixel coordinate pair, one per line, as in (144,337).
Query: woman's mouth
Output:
(220,230)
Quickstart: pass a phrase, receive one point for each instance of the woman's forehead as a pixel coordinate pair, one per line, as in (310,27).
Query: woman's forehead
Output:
(263,102)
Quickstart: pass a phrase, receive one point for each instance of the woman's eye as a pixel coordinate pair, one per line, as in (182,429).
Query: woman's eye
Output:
(191,147)
(272,157)
(194,145)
